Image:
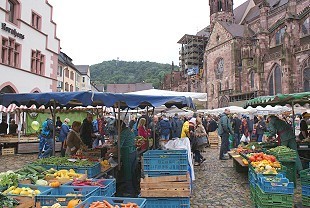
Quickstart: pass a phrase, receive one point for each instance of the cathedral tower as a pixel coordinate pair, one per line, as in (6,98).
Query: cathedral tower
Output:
(221,10)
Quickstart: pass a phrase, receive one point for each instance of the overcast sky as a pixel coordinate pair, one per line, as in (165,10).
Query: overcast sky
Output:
(92,31)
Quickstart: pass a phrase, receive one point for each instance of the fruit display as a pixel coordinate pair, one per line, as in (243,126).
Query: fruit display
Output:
(22,191)
(254,157)
(106,204)
(245,161)
(105,163)
(64,174)
(73,202)
(266,167)
(88,182)
(141,142)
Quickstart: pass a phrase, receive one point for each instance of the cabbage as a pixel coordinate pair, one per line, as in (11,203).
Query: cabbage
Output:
(41,182)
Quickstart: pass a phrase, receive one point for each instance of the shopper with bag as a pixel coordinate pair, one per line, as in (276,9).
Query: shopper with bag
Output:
(245,138)
(201,141)
(224,130)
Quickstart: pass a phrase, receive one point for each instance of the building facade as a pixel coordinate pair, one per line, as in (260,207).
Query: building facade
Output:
(124,88)
(29,47)
(260,48)
(84,82)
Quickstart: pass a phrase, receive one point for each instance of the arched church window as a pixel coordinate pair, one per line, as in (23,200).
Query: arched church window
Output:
(306,79)
(220,66)
(275,81)
(306,27)
(220,6)
(252,79)
(280,36)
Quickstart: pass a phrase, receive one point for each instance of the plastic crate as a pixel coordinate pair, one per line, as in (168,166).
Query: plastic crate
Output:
(165,161)
(305,177)
(42,189)
(253,195)
(59,195)
(108,189)
(268,199)
(306,201)
(291,170)
(168,202)
(305,190)
(141,202)
(91,171)
(283,186)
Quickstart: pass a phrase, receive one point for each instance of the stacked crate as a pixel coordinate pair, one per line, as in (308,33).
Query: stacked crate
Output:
(305,187)
(167,182)
(214,139)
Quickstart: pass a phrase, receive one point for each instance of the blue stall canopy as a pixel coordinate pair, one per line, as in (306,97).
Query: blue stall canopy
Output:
(87,98)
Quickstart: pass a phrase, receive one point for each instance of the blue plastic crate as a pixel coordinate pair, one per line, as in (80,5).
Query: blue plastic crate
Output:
(178,202)
(42,189)
(113,201)
(283,186)
(165,161)
(91,171)
(109,186)
(305,190)
(59,195)
(163,173)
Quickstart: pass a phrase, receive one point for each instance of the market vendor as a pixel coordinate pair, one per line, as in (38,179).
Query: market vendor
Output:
(128,159)
(286,136)
(73,141)
(86,131)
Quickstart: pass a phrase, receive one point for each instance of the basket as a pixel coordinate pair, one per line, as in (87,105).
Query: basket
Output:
(91,171)
(108,188)
(183,202)
(113,201)
(59,195)
(282,186)
(169,161)
(8,151)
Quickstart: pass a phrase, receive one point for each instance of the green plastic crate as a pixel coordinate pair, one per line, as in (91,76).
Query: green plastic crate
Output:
(306,201)
(253,195)
(305,177)
(291,170)
(275,200)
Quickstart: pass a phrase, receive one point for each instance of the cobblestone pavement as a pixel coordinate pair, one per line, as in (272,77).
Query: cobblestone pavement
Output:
(217,184)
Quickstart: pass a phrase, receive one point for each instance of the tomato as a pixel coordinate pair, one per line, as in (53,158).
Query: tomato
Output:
(252,159)
(272,158)
(259,159)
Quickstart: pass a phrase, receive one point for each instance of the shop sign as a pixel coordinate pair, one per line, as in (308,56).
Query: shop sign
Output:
(12,31)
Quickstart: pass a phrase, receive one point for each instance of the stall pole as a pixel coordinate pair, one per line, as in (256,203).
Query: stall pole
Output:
(119,135)
(53,113)
(154,127)
(293,111)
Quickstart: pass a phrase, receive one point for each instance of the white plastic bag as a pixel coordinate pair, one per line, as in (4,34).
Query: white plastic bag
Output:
(245,139)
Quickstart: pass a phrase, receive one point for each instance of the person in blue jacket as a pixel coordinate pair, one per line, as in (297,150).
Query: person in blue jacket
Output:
(165,128)
(64,130)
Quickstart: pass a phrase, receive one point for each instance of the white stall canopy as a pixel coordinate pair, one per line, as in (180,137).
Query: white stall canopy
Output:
(194,95)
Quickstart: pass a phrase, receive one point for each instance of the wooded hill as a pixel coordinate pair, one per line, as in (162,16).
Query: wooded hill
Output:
(124,72)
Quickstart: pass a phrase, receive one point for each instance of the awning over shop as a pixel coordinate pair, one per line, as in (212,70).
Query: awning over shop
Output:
(280,99)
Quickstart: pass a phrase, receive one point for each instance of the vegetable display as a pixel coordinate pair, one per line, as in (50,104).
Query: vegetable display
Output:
(22,191)
(32,172)
(63,161)
(283,153)
(7,201)
(88,182)
(106,204)
(8,179)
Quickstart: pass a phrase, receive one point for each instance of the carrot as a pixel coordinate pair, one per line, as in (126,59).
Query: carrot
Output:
(107,204)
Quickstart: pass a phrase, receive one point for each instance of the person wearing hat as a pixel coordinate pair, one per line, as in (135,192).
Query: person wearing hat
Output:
(224,130)
(64,130)
(286,136)
(303,127)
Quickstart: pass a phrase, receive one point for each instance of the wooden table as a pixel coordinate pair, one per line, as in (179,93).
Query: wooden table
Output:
(237,162)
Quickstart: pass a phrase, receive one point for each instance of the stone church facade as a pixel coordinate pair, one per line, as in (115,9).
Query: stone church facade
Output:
(260,48)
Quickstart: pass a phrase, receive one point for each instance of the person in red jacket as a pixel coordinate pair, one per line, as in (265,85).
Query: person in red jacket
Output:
(142,130)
